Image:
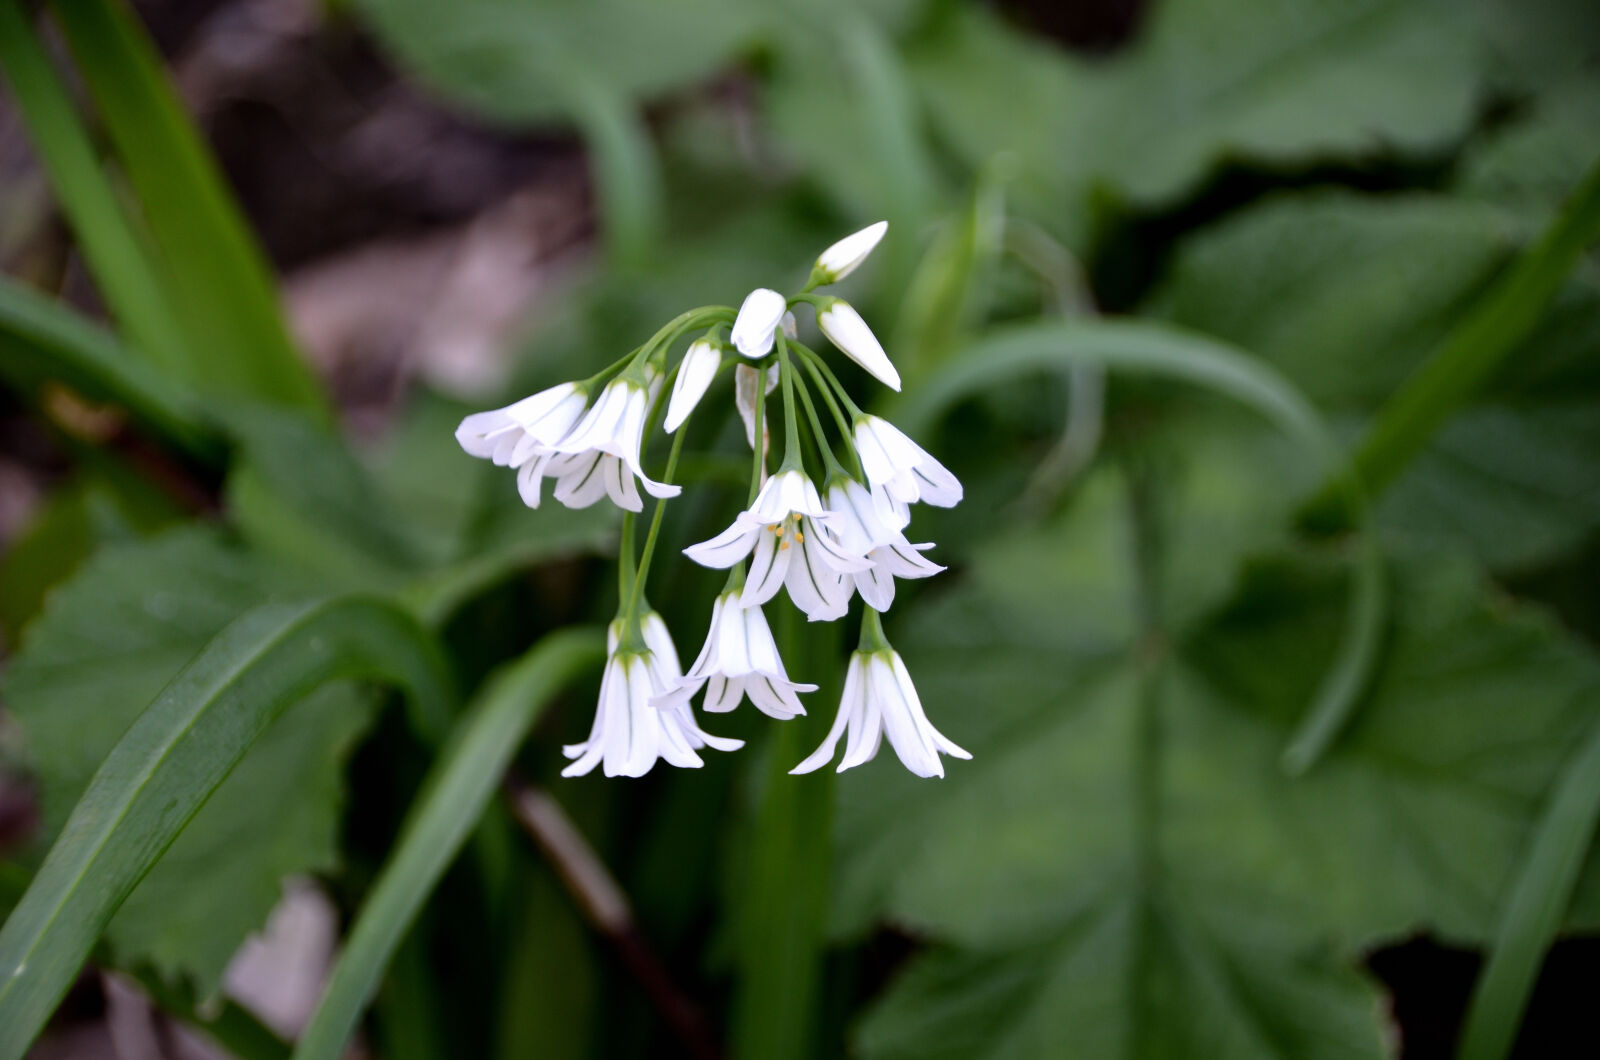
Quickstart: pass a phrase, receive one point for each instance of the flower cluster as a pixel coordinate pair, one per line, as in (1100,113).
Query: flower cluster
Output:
(822,545)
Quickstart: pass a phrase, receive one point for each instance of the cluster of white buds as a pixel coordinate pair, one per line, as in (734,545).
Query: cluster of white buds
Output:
(823,546)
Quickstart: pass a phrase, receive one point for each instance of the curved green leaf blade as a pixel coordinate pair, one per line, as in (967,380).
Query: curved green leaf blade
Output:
(229,304)
(453,799)
(162,771)
(1535,909)
(1192,358)
(120,263)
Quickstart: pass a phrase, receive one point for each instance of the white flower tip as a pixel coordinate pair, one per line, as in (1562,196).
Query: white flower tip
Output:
(846,330)
(695,373)
(841,259)
(759,317)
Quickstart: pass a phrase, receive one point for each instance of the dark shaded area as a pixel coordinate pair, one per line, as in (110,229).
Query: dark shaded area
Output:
(1085,25)
(1431,984)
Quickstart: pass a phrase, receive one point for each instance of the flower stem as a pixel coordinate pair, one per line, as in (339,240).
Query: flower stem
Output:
(791,422)
(655,531)
(830,463)
(833,407)
(833,381)
(758,441)
(872,638)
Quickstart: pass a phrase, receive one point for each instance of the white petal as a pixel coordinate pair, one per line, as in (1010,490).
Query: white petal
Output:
(851,704)
(599,425)
(814,586)
(846,330)
(695,373)
(744,398)
(530,479)
(841,259)
(758,318)
(580,480)
(775,699)
(733,643)
(723,694)
(728,547)
(904,561)
(767,569)
(876,587)
(619,484)
(828,551)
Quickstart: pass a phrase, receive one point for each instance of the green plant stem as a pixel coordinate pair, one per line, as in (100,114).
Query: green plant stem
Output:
(1469,354)
(637,592)
(758,459)
(780,940)
(1535,908)
(833,380)
(791,422)
(830,462)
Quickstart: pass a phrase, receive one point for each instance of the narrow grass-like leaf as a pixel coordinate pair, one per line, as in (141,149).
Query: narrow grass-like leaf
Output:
(120,264)
(42,340)
(460,786)
(162,771)
(229,304)
(1472,351)
(1535,909)
(1149,348)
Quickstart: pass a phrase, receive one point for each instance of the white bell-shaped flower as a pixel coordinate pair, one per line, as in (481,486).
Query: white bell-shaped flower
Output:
(841,259)
(525,429)
(845,329)
(600,457)
(871,524)
(902,467)
(699,367)
(759,318)
(879,699)
(740,659)
(629,734)
(785,530)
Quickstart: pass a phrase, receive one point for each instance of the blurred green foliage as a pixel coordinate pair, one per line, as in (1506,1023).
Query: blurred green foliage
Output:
(1125,869)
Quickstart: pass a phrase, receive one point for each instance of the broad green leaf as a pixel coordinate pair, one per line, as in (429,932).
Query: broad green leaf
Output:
(1283,84)
(106,644)
(1136,976)
(506,59)
(450,804)
(1124,852)
(1347,295)
(238,343)
(1531,165)
(178,751)
(1121,346)
(299,494)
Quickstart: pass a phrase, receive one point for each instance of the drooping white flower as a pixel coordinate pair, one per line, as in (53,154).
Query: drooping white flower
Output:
(879,699)
(740,659)
(744,398)
(629,734)
(520,431)
(901,466)
(785,528)
(845,329)
(759,317)
(871,524)
(699,367)
(600,456)
(841,259)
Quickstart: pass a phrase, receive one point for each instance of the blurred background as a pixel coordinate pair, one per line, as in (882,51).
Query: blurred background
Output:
(461,202)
